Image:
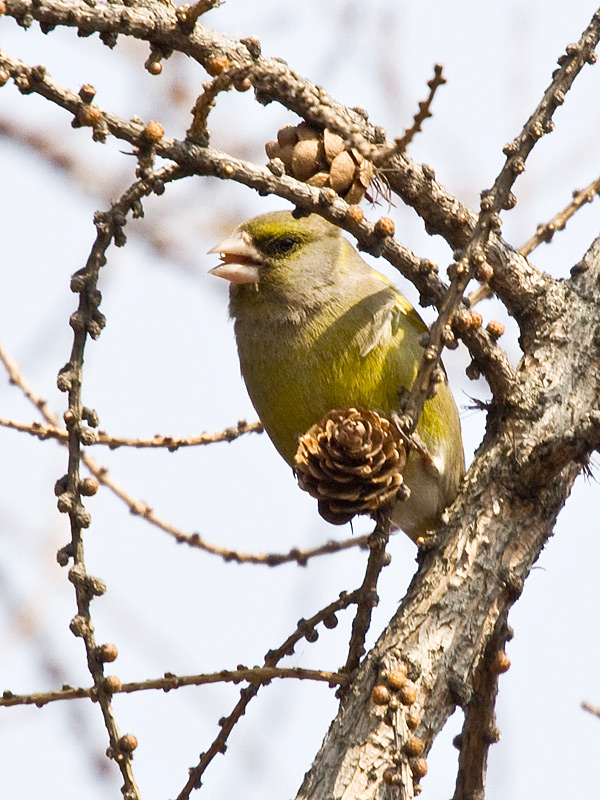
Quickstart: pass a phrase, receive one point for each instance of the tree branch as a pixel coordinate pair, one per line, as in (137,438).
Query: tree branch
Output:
(170,443)
(479,730)
(88,320)
(545,233)
(367,594)
(496,530)
(253,675)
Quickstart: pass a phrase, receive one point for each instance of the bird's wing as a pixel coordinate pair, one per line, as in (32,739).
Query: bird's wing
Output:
(391,313)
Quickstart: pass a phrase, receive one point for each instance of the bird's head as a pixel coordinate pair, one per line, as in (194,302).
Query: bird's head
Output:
(283,251)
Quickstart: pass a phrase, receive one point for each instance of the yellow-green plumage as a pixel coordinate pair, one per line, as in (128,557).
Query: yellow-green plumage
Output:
(319,329)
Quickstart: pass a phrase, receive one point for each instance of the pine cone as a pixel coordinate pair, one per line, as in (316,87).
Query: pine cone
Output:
(321,159)
(351,462)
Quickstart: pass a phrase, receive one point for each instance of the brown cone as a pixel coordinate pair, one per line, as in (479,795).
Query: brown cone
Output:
(351,462)
(321,158)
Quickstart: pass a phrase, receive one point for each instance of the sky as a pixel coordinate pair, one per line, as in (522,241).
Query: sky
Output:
(166,363)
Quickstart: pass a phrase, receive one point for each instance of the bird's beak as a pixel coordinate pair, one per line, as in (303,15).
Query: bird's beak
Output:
(241,261)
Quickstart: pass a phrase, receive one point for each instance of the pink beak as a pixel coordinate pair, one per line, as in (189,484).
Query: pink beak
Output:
(241,261)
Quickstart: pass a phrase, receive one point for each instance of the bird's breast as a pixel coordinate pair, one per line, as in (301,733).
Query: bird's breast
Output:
(296,374)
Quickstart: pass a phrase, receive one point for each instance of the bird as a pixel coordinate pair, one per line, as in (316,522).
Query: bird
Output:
(318,329)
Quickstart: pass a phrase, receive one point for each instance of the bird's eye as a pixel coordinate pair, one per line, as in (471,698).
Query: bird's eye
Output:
(283,245)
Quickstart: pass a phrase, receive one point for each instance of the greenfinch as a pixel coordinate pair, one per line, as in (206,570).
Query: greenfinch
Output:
(318,329)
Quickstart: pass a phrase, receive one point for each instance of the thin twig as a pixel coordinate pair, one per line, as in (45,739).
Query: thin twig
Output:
(423,113)
(479,729)
(205,102)
(86,321)
(169,681)
(142,509)
(367,594)
(545,232)
(306,630)
(36,429)
(188,15)
(595,710)
(16,377)
(170,443)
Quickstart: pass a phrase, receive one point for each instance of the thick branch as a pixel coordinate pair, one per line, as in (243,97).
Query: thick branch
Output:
(495,532)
